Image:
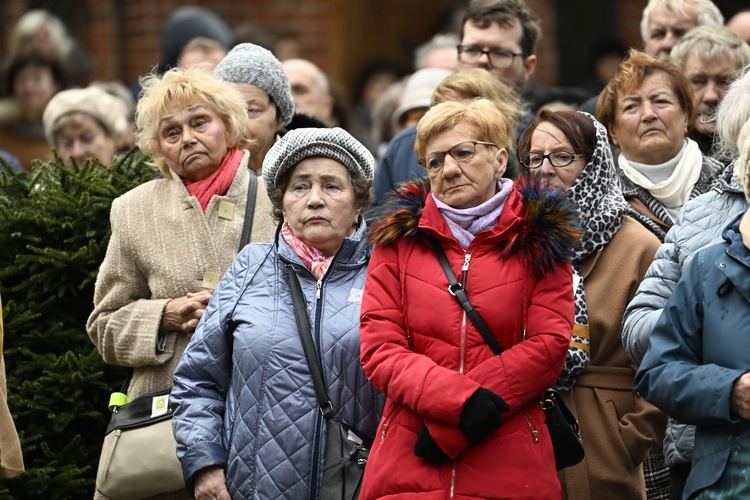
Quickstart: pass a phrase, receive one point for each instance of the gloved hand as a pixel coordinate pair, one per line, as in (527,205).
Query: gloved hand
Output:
(481,414)
(427,448)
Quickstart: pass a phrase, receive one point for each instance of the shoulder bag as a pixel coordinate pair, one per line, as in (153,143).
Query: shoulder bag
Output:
(561,423)
(346,451)
(138,458)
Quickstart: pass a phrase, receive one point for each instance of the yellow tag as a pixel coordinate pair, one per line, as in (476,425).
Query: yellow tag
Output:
(117,399)
(159,405)
(211,280)
(226,210)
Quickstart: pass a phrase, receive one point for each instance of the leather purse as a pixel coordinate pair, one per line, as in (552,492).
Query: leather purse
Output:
(346,451)
(561,423)
(139,456)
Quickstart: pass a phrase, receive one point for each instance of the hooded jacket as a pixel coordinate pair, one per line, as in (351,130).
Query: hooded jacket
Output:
(419,348)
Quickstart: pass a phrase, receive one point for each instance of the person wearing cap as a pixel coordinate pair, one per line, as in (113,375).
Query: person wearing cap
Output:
(247,421)
(173,238)
(460,421)
(81,124)
(260,78)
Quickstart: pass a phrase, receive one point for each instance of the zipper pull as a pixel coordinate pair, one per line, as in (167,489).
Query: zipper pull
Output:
(318,286)
(382,434)
(535,433)
(467,258)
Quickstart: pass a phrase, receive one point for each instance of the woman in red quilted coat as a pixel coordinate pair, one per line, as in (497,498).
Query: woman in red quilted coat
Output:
(459,421)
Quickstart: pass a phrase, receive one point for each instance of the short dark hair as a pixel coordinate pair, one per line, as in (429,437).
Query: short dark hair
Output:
(59,72)
(577,128)
(485,12)
(360,185)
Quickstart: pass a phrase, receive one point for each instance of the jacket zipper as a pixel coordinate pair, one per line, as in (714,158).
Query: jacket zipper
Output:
(534,431)
(462,348)
(319,415)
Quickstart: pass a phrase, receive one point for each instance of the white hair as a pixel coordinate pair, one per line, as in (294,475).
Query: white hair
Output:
(707,13)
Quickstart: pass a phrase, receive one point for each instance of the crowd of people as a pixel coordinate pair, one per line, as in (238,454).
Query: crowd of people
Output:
(601,239)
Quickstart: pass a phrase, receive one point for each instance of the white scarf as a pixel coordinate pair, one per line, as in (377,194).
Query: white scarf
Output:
(675,191)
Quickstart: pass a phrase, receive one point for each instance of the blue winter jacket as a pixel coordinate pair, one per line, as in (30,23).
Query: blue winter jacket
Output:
(699,347)
(244,394)
(699,225)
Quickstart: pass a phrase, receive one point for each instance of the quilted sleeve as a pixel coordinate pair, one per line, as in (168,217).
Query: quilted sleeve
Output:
(202,378)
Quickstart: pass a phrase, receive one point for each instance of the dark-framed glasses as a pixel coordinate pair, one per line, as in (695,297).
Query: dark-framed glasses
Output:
(461,152)
(557,159)
(498,58)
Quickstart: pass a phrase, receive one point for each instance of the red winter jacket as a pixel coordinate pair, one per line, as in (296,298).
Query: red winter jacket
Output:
(420,349)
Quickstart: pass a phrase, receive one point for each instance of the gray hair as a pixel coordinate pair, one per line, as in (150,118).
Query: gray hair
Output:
(711,43)
(707,13)
(439,41)
(732,113)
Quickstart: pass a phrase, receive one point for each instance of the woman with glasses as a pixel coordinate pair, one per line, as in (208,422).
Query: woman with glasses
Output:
(459,418)
(570,150)
(647,108)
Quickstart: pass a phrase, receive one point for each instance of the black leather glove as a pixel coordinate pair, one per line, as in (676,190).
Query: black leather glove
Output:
(427,448)
(481,414)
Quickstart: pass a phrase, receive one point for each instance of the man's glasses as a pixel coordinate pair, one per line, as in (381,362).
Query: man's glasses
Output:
(461,152)
(557,159)
(498,58)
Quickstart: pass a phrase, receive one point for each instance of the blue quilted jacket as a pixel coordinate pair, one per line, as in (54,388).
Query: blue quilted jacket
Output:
(244,393)
(699,225)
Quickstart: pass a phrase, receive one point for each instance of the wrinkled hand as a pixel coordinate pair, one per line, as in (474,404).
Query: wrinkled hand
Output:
(427,448)
(481,414)
(210,484)
(183,313)
(740,399)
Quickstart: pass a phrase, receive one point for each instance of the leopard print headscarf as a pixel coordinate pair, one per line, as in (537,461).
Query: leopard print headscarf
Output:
(602,208)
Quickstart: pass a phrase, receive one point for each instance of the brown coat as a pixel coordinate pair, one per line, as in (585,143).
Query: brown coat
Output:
(618,427)
(162,244)
(11,461)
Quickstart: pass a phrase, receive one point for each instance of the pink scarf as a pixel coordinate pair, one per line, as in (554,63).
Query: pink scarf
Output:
(218,182)
(313,258)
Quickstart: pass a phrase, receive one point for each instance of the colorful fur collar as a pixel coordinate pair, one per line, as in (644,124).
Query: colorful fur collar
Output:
(547,233)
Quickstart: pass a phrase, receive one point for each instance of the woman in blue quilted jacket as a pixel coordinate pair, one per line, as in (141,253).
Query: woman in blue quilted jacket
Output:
(248,423)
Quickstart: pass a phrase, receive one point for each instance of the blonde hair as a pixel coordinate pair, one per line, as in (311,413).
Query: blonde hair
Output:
(741,166)
(481,115)
(183,86)
(477,83)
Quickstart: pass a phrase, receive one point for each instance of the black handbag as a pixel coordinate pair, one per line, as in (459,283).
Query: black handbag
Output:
(561,423)
(346,451)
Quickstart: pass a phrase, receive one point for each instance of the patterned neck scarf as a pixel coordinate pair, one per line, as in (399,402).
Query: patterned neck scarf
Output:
(218,182)
(602,206)
(466,223)
(311,257)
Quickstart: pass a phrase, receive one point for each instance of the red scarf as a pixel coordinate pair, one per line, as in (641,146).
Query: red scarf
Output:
(218,182)
(313,258)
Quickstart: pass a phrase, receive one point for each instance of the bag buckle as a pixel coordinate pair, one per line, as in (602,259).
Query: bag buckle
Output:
(454,288)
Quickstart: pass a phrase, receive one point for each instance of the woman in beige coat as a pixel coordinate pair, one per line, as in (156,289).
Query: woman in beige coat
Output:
(173,238)
(618,428)
(11,461)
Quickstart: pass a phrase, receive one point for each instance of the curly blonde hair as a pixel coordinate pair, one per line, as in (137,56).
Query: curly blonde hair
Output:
(181,87)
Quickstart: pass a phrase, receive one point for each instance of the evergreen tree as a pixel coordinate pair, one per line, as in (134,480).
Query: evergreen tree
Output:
(54,230)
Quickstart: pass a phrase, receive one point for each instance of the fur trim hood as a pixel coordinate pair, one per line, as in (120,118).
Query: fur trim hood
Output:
(548,230)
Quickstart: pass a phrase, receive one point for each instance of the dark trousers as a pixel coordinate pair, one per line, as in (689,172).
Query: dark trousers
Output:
(678,475)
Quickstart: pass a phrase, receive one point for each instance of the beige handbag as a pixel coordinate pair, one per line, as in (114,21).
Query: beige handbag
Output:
(139,457)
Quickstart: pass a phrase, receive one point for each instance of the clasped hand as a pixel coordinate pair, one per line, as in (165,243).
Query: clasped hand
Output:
(183,313)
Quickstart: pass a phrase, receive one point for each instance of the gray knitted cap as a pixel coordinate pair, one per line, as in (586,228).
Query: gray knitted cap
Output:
(301,143)
(249,63)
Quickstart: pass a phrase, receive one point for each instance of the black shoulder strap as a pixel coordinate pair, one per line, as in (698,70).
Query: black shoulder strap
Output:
(305,334)
(247,227)
(458,291)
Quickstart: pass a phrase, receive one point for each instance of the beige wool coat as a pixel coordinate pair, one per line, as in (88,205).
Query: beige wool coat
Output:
(163,246)
(11,460)
(618,427)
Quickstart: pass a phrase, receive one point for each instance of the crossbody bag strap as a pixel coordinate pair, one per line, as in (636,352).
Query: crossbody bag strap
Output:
(305,335)
(247,227)
(459,293)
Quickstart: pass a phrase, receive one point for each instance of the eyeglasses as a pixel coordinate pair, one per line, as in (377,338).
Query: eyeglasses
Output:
(461,152)
(498,58)
(557,159)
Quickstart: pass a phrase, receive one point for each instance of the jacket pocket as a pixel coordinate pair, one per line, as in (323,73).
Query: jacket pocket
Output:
(705,472)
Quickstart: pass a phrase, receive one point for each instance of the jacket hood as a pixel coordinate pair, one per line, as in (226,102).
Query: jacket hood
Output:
(547,231)
(728,182)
